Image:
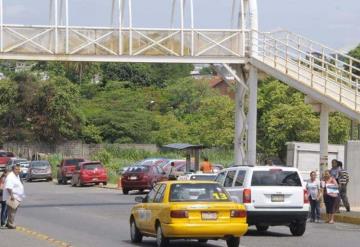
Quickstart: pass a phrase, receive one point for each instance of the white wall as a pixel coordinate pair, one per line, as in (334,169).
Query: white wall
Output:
(352,164)
(306,156)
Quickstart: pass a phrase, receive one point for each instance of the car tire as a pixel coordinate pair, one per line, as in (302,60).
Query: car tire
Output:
(161,240)
(297,228)
(63,180)
(261,228)
(105,183)
(29,180)
(135,234)
(125,191)
(49,179)
(233,241)
(203,241)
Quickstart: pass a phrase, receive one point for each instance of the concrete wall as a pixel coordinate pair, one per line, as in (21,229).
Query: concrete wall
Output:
(69,149)
(306,156)
(352,164)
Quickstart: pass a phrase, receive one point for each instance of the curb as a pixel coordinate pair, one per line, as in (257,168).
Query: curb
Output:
(344,218)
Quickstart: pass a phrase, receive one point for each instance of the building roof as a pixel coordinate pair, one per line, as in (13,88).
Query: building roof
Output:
(183,146)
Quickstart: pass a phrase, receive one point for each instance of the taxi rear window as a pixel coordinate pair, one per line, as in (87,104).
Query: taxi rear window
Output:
(197,192)
(275,177)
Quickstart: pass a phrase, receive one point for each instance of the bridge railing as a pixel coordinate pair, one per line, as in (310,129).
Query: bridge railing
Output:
(329,71)
(91,41)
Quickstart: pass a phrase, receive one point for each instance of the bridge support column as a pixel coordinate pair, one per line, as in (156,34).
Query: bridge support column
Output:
(324,137)
(240,125)
(252,115)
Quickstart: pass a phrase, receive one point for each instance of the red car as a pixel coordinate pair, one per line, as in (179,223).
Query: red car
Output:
(66,169)
(5,156)
(89,172)
(141,177)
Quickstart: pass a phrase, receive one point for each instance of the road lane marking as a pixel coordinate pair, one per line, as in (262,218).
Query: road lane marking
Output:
(41,236)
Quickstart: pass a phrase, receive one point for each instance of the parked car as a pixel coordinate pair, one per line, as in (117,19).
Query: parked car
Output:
(217,168)
(198,176)
(66,169)
(39,169)
(154,161)
(5,156)
(188,210)
(89,172)
(272,195)
(15,160)
(142,177)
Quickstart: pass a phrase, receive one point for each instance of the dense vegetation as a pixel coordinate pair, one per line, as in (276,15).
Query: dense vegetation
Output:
(147,103)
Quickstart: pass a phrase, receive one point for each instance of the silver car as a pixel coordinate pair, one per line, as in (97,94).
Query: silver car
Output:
(39,169)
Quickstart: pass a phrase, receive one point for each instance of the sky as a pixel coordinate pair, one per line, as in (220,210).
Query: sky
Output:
(335,23)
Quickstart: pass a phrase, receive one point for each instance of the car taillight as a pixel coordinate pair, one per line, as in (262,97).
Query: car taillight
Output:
(179,214)
(145,176)
(238,214)
(306,197)
(247,196)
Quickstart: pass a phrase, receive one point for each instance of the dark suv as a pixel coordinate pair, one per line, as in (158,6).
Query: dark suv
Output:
(66,169)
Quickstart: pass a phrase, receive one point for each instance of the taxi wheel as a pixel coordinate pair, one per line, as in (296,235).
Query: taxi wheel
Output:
(161,241)
(135,234)
(233,242)
(298,228)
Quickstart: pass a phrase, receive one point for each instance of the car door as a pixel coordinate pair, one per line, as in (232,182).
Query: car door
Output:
(143,212)
(155,207)
(237,186)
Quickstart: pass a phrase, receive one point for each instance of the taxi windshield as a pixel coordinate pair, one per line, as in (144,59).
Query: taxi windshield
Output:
(205,192)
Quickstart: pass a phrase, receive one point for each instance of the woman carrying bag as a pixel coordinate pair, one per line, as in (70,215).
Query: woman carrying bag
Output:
(331,193)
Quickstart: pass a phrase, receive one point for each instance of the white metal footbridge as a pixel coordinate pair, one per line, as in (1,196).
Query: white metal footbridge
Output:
(328,77)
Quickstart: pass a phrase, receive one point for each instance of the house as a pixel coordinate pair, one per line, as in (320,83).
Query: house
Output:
(218,82)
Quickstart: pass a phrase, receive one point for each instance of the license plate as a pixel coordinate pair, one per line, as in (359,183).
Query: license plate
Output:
(95,179)
(277,198)
(209,215)
(133,177)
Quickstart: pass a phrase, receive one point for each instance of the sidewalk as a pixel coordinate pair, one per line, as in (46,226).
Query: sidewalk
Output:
(352,217)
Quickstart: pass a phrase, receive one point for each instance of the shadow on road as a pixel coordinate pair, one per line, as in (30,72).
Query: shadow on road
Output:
(174,243)
(78,205)
(255,233)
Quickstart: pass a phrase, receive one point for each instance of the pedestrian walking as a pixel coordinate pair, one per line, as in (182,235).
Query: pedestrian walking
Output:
(331,193)
(13,194)
(3,215)
(314,190)
(343,180)
(206,166)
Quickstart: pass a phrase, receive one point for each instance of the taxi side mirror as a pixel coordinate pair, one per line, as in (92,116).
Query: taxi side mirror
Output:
(140,199)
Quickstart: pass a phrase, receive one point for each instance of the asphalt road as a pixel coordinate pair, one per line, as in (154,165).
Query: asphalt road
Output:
(59,215)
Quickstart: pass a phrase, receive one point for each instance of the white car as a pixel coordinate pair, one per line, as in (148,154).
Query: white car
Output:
(272,195)
(198,176)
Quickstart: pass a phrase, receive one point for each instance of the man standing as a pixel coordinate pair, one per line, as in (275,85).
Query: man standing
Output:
(13,194)
(334,171)
(206,166)
(343,181)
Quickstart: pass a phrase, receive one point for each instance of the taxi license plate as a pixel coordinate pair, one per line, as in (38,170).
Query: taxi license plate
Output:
(277,198)
(133,177)
(209,215)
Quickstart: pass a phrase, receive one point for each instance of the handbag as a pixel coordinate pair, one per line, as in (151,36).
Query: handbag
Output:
(14,204)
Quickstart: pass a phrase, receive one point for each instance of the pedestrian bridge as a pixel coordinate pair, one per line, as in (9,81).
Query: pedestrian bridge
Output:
(327,76)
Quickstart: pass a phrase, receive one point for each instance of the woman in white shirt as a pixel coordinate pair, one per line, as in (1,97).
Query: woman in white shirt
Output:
(314,191)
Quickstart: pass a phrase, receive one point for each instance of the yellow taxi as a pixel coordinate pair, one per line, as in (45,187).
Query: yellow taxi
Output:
(199,210)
